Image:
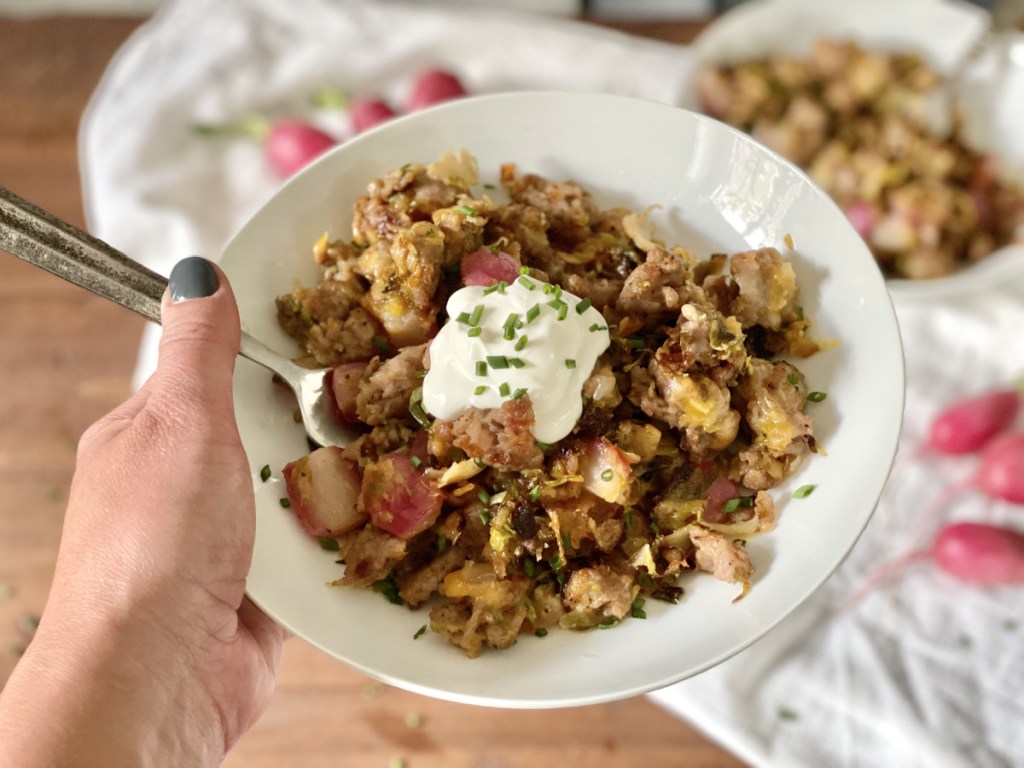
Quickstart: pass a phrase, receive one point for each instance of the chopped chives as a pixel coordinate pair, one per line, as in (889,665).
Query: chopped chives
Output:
(474,332)
(730,506)
(799,312)
(328,544)
(532,313)
(484,496)
(607,475)
(509,333)
(498,287)
(416,461)
(468,211)
(463,318)
(495,361)
(583,306)
(516,362)
(485,516)
(420,632)
(595,327)
(478,312)
(284,503)
(504,390)
(524,270)
(540,632)
(519,393)
(521,344)
(570,363)
(418,374)
(817,397)
(489,186)
(265,473)
(535,493)
(480,390)
(563,311)
(793,379)
(481,368)
(803,491)
(527,283)
(549,288)
(636,342)
(528,567)
(556,304)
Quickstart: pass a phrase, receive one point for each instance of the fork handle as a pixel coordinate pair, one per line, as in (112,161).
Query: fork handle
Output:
(66,251)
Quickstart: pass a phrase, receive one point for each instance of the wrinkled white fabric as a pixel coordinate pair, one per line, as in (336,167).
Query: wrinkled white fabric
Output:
(924,672)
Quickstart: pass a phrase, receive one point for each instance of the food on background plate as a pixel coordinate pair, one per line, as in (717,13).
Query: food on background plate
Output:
(558,413)
(862,123)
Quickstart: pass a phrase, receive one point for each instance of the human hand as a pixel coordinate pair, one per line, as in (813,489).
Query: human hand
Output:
(148,651)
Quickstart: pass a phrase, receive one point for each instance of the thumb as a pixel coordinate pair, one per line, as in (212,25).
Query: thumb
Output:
(200,338)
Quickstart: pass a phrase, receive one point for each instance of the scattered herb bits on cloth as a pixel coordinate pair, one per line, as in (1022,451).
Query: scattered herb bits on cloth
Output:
(558,413)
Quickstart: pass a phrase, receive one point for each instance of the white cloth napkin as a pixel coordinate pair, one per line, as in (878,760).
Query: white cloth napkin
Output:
(923,673)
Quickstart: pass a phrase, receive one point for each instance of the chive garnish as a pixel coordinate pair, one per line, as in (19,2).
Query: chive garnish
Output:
(636,342)
(540,632)
(526,282)
(583,306)
(420,632)
(570,363)
(418,374)
(535,493)
(817,397)
(485,516)
(532,313)
(595,327)
(495,361)
(484,496)
(478,312)
(516,362)
(328,544)
(468,211)
(474,332)
(504,390)
(284,503)
(528,567)
(381,344)
(463,318)
(481,368)
(416,407)
(521,344)
(524,270)
(803,491)
(793,379)
(265,473)
(416,461)
(607,475)
(480,390)
(563,311)
(799,312)
(519,393)
(498,287)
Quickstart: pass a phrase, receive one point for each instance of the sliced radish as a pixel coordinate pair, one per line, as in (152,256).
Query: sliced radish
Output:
(398,498)
(323,489)
(484,267)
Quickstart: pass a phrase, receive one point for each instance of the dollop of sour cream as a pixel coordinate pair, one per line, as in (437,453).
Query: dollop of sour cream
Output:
(510,340)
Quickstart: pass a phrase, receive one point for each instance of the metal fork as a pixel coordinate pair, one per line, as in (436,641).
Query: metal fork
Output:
(64,250)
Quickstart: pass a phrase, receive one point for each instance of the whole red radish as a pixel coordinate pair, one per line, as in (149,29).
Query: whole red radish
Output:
(432,87)
(366,113)
(974,553)
(290,145)
(966,426)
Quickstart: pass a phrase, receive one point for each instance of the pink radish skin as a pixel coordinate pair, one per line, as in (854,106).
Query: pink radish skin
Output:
(291,145)
(972,553)
(366,113)
(967,426)
(980,554)
(432,87)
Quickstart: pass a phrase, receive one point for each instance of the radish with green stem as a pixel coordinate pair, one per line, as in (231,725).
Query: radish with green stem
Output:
(973,553)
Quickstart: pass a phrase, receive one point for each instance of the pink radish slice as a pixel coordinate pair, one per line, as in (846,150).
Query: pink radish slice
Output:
(486,268)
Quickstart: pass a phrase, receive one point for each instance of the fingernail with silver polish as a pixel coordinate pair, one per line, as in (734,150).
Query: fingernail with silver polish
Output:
(192,278)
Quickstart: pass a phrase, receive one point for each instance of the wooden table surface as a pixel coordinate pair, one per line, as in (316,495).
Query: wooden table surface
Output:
(66,358)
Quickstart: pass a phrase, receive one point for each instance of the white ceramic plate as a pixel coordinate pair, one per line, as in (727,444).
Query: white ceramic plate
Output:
(987,72)
(720,192)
